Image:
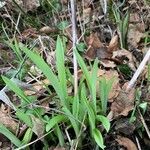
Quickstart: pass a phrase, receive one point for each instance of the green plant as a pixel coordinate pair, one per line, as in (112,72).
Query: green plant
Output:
(74,112)
(122,23)
(139,105)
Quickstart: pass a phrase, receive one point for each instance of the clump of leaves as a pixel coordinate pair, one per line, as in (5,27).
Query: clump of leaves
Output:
(122,22)
(75,112)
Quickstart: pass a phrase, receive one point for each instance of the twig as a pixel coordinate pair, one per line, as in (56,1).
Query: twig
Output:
(26,145)
(74,39)
(139,70)
(144,124)
(138,143)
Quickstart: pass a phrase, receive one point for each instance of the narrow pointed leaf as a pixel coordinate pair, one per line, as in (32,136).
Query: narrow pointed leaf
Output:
(98,138)
(9,135)
(55,120)
(60,65)
(104,120)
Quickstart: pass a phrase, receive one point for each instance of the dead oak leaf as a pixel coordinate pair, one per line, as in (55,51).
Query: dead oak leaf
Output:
(126,142)
(30,5)
(113,45)
(94,41)
(123,103)
(124,57)
(95,46)
(134,35)
(7,120)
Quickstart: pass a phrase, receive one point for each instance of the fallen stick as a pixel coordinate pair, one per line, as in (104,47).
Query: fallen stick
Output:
(139,70)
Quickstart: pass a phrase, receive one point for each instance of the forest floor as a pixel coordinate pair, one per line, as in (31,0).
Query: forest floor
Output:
(116,33)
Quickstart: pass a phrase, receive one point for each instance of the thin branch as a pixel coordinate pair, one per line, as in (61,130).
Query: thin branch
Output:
(139,70)
(74,40)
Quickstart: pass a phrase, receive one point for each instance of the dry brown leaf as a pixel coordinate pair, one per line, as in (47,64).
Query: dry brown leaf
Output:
(64,2)
(37,87)
(113,45)
(134,35)
(124,126)
(48,30)
(59,148)
(123,103)
(29,33)
(94,41)
(86,15)
(108,64)
(126,142)
(124,56)
(7,120)
(38,126)
(30,5)
(96,48)
(56,148)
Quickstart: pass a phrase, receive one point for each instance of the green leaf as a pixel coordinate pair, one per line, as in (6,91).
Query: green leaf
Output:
(84,69)
(15,48)
(16,89)
(75,107)
(60,136)
(60,66)
(81,47)
(73,121)
(55,120)
(105,121)
(42,65)
(24,117)
(98,138)
(62,25)
(143,106)
(91,114)
(93,81)
(9,135)
(27,136)
(105,88)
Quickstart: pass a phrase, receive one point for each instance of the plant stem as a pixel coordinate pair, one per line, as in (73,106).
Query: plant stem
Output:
(74,40)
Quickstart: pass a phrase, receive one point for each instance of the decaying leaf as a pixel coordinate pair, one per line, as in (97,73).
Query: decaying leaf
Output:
(123,103)
(38,126)
(126,142)
(96,48)
(7,120)
(108,64)
(37,87)
(86,15)
(113,45)
(48,30)
(134,35)
(125,57)
(31,5)
(124,126)
(94,41)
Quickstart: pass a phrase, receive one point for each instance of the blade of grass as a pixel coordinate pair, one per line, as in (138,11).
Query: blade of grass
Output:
(93,81)
(9,135)
(91,114)
(55,120)
(84,69)
(60,66)
(74,123)
(105,121)
(98,138)
(42,65)
(16,89)
(60,136)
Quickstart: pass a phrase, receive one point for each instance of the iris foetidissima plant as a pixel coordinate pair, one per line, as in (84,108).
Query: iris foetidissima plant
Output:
(76,112)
